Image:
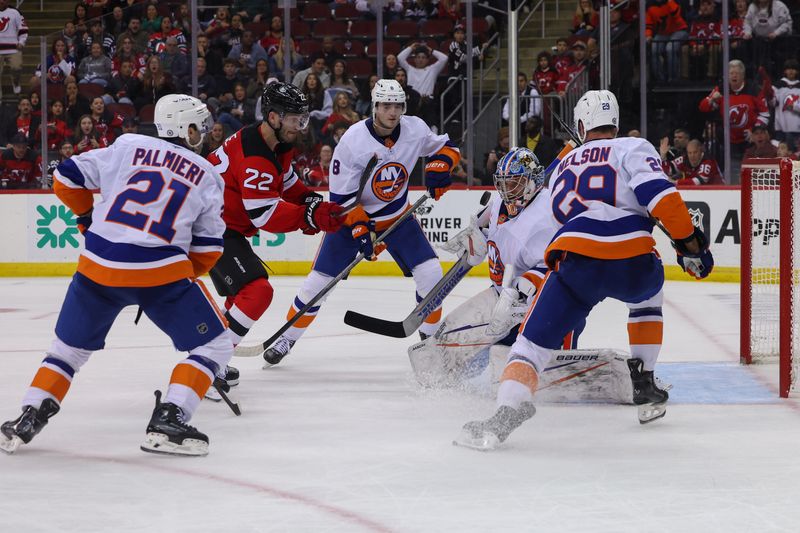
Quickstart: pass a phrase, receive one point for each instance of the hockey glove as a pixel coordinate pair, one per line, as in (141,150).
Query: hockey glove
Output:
(322,216)
(470,240)
(698,265)
(437,177)
(84,221)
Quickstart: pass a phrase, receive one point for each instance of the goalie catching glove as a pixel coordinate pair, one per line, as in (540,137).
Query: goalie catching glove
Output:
(511,307)
(698,265)
(471,241)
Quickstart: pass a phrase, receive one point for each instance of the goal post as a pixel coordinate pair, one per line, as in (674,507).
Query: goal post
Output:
(770,250)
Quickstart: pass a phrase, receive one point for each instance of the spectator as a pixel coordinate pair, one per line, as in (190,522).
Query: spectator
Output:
(493,157)
(545,148)
(226,82)
(675,155)
(748,108)
(697,168)
(420,10)
(736,28)
(57,129)
(329,52)
(183,21)
(457,52)
(571,71)
(786,101)
(65,151)
(87,137)
(306,153)
(666,30)
(767,24)
(585,20)
(342,112)
(125,87)
(218,27)
(530,102)
(59,64)
(116,22)
(392,11)
(152,20)
(259,80)
(213,57)
(172,60)
(127,52)
(389,66)
(138,37)
(247,54)
(36,104)
(155,83)
(71,38)
(22,123)
(250,10)
(341,80)
(231,36)
(449,9)
(422,77)
(317,176)
(277,60)
(784,150)
(545,76)
(20,167)
(563,56)
(75,105)
(97,34)
(80,19)
(338,130)
(96,67)
(214,139)
(761,145)
(106,123)
(130,125)
(13,37)
(318,68)
(364,103)
(413,99)
(701,52)
(158,40)
(274,36)
(636,134)
(314,91)
(239,110)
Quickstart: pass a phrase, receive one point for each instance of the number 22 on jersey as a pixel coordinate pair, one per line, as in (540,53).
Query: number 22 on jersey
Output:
(572,192)
(160,226)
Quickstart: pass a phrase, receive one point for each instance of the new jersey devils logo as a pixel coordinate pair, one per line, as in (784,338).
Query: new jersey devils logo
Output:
(496,266)
(738,115)
(4,23)
(389,181)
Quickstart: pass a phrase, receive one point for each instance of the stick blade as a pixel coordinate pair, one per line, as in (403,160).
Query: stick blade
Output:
(376,325)
(250,351)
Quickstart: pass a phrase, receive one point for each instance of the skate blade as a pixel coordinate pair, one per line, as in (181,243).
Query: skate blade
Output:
(483,443)
(9,446)
(651,412)
(160,444)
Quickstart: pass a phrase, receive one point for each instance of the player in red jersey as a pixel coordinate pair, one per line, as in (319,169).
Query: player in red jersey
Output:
(262,191)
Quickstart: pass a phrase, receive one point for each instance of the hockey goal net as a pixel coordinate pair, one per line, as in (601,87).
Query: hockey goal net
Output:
(770,295)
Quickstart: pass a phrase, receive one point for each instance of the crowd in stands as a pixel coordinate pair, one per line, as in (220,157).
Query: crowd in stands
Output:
(115,58)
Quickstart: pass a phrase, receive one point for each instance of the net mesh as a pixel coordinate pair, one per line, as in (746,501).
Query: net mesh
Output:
(765,289)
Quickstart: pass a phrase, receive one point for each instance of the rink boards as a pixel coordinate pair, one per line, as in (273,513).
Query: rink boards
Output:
(40,236)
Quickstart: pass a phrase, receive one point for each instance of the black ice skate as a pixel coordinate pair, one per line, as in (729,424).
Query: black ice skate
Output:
(229,379)
(486,435)
(277,351)
(28,425)
(167,433)
(648,394)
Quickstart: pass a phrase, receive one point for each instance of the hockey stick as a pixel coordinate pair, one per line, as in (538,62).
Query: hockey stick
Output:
(218,385)
(259,349)
(432,301)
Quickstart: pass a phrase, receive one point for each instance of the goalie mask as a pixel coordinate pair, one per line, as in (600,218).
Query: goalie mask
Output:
(518,178)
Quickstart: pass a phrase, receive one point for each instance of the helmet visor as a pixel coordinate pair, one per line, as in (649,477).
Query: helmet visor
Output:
(511,186)
(295,121)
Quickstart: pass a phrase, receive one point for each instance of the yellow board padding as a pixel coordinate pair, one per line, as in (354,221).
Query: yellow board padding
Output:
(301,268)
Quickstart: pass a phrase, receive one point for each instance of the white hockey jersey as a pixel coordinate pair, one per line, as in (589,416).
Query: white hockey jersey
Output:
(386,192)
(519,242)
(602,195)
(13,30)
(160,216)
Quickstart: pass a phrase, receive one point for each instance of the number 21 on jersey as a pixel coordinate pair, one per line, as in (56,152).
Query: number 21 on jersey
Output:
(572,192)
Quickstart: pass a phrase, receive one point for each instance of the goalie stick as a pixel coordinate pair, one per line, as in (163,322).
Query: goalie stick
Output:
(258,349)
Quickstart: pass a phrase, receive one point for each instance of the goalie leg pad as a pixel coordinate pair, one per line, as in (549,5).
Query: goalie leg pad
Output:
(238,266)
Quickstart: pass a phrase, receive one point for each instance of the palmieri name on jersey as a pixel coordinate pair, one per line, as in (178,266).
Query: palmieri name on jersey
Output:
(173,161)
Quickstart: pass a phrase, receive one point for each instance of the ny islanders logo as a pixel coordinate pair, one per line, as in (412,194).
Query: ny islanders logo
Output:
(389,181)
(496,266)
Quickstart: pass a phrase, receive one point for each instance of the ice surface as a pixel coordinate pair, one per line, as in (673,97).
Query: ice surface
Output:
(338,437)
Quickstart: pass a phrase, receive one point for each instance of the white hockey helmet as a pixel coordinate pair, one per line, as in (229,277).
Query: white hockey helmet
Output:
(595,109)
(389,91)
(174,113)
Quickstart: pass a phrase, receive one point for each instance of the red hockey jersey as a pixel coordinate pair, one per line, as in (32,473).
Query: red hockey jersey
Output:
(262,190)
(747,108)
(705,173)
(545,80)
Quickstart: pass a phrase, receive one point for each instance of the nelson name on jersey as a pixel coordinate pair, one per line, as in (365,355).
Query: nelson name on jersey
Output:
(173,161)
(588,155)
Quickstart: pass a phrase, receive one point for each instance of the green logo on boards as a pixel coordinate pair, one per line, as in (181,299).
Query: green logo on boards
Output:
(57,227)
(270,239)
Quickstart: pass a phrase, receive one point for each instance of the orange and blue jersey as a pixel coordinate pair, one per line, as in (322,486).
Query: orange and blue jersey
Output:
(159,217)
(603,195)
